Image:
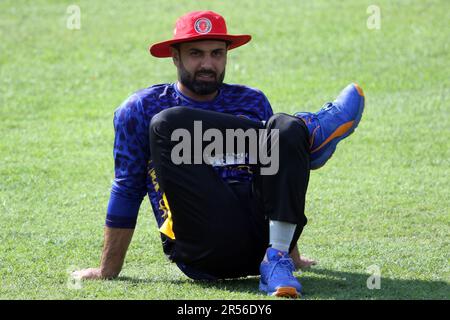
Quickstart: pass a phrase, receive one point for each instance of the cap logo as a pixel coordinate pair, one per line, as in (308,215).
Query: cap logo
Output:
(203,25)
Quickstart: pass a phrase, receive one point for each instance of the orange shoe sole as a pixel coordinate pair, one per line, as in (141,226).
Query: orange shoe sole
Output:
(286,292)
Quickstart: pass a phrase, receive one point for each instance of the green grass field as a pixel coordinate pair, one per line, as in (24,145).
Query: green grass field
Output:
(383,199)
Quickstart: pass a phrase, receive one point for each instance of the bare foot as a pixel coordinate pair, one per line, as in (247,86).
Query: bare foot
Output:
(301,262)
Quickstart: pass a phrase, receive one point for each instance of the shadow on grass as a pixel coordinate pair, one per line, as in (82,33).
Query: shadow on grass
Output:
(244,285)
(330,284)
(152,280)
(327,284)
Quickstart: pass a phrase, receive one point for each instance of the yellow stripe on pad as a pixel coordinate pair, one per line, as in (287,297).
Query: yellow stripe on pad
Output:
(167,226)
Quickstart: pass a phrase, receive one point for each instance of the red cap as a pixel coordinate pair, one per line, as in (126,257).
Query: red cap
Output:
(198,25)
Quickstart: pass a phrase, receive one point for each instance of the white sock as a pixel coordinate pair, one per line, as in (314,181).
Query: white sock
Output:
(281,234)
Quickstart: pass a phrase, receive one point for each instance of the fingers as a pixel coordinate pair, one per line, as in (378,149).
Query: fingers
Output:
(87,274)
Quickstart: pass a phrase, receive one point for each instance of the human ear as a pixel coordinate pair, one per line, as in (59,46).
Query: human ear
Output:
(175,57)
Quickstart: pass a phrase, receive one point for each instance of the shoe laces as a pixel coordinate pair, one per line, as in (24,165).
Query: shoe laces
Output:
(329,109)
(311,117)
(326,107)
(284,267)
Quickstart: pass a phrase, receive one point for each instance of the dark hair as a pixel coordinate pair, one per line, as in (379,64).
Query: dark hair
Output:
(176,46)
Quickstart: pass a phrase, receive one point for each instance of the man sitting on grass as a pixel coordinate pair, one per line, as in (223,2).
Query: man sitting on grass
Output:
(227,218)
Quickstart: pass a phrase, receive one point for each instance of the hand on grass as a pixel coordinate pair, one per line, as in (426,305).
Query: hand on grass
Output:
(88,274)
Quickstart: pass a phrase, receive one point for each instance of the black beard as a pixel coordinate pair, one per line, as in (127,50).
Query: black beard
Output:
(197,86)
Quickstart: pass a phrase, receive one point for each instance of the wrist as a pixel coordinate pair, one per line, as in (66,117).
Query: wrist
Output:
(108,273)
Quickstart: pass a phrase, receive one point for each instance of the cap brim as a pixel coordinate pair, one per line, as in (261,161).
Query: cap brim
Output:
(163,49)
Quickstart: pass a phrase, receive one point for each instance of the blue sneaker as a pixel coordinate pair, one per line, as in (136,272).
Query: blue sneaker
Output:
(277,277)
(334,122)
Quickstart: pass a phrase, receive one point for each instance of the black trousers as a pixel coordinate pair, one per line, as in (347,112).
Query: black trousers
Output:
(222,229)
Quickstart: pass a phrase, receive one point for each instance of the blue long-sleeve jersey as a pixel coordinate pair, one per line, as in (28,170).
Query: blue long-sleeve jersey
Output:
(134,173)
